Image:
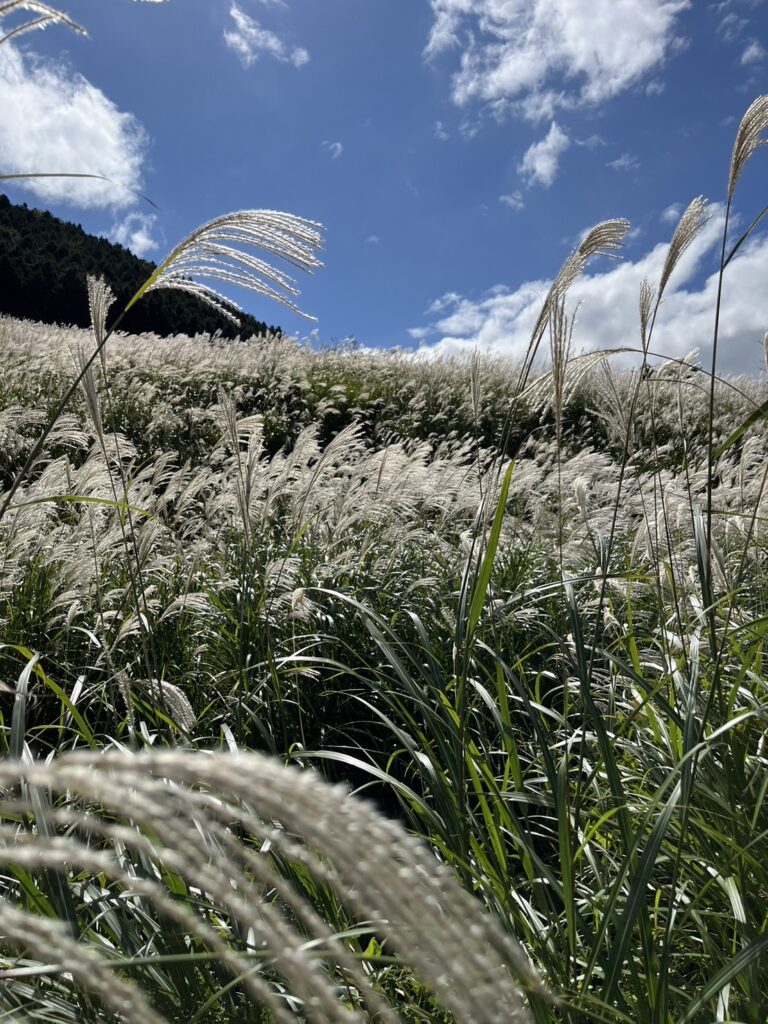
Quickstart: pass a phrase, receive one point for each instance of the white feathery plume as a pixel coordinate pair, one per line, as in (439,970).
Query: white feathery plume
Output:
(45,15)
(749,136)
(647,298)
(50,942)
(218,251)
(688,227)
(100,300)
(177,808)
(604,239)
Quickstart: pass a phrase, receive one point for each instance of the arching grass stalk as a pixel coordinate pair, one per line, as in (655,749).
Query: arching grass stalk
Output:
(169,830)
(42,16)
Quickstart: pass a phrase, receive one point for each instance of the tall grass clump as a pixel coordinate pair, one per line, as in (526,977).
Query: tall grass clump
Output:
(522,609)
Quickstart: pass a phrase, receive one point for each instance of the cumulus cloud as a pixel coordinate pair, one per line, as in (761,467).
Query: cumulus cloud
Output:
(53,119)
(135,233)
(543,55)
(249,41)
(333,149)
(541,161)
(500,322)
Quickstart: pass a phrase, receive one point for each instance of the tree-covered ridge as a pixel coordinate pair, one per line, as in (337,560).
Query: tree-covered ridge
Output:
(44,262)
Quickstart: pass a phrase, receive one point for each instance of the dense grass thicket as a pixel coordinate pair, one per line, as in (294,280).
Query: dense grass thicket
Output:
(522,611)
(491,612)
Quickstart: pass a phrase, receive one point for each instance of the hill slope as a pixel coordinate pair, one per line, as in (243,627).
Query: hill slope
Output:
(44,262)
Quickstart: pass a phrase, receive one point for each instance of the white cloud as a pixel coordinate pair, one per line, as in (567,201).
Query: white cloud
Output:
(731,26)
(671,214)
(440,132)
(53,119)
(500,322)
(753,53)
(419,334)
(541,161)
(542,55)
(626,162)
(655,87)
(249,40)
(514,200)
(372,240)
(135,233)
(333,149)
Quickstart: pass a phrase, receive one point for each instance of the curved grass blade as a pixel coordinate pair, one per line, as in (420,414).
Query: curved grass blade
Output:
(75,174)
(743,959)
(486,568)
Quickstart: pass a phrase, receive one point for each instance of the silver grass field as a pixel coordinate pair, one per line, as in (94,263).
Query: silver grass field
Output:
(348,686)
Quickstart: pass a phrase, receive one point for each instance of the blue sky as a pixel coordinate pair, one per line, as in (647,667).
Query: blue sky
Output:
(455,150)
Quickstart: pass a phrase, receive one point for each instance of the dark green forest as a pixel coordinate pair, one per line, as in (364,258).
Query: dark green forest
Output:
(44,262)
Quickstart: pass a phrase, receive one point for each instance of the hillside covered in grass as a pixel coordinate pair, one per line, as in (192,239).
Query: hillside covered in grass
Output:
(487,608)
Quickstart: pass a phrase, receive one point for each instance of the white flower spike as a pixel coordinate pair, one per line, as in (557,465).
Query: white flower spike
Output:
(218,250)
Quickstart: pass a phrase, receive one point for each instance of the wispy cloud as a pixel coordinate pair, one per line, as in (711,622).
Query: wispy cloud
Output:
(249,41)
(671,214)
(626,162)
(514,200)
(543,55)
(754,53)
(440,132)
(501,321)
(333,149)
(731,27)
(541,161)
(53,119)
(135,233)
(373,240)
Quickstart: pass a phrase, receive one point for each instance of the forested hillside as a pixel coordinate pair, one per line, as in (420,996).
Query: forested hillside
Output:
(44,262)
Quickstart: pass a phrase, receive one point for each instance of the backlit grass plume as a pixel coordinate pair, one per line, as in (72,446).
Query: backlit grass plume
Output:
(222,857)
(750,135)
(219,250)
(604,239)
(42,16)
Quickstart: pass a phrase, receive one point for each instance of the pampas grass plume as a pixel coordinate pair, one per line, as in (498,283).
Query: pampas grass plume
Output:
(749,136)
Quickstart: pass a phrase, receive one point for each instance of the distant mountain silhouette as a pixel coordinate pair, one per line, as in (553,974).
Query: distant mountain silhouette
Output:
(44,262)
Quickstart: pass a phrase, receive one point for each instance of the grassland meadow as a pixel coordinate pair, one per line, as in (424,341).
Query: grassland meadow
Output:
(519,609)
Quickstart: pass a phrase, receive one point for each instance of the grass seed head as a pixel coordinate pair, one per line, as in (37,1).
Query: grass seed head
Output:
(748,138)
(688,227)
(43,15)
(219,250)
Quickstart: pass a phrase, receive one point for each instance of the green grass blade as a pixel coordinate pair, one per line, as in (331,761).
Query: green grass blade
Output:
(486,567)
(754,417)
